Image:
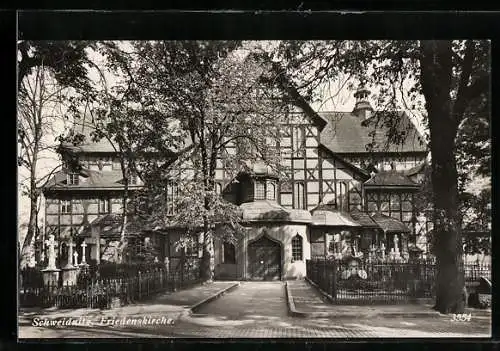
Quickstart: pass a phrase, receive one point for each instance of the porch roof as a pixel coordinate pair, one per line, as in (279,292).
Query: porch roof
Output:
(328,217)
(389,224)
(110,226)
(271,211)
(363,219)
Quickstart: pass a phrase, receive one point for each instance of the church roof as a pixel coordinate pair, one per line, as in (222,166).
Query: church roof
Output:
(389,224)
(390,178)
(346,133)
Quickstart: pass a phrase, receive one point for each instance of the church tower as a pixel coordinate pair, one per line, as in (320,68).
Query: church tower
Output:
(363,109)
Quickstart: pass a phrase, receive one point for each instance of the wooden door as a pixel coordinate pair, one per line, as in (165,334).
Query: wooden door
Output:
(265,259)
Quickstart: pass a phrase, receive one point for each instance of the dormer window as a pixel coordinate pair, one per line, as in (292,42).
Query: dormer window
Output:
(73,179)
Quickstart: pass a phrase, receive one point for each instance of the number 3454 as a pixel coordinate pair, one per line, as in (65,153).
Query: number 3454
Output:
(461,317)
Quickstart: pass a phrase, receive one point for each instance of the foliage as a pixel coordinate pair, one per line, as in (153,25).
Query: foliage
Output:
(190,102)
(453,77)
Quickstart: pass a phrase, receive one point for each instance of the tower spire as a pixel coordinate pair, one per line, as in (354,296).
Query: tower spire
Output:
(363,109)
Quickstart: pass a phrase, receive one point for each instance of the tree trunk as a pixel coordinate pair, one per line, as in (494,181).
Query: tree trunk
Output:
(436,73)
(27,247)
(207,258)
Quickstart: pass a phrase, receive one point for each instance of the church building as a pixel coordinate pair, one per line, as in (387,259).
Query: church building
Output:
(348,192)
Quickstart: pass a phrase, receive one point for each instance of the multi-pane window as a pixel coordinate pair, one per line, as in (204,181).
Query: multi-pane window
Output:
(171,198)
(73,179)
(229,253)
(270,191)
(265,190)
(66,206)
(297,248)
(299,196)
(104,205)
(260,190)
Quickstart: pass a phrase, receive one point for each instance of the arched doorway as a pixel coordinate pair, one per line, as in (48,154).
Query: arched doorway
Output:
(264,259)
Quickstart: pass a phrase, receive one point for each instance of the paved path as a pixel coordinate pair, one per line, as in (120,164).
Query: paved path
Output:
(168,305)
(259,310)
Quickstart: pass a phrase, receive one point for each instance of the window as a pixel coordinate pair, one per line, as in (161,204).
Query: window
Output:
(260,190)
(265,190)
(299,196)
(116,164)
(342,196)
(191,249)
(298,140)
(73,179)
(66,206)
(229,253)
(271,191)
(297,248)
(132,179)
(171,198)
(104,205)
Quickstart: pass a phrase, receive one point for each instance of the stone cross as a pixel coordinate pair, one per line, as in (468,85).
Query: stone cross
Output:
(51,243)
(75,257)
(396,240)
(70,251)
(83,245)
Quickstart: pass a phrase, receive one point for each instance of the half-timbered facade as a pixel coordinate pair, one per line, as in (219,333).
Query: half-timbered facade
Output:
(345,192)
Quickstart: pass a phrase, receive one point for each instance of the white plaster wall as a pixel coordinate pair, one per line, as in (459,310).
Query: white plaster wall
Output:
(284,234)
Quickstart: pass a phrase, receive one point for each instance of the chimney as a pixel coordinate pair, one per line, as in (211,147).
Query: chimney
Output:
(363,109)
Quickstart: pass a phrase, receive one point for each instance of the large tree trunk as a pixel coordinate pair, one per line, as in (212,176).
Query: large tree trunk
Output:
(27,248)
(436,73)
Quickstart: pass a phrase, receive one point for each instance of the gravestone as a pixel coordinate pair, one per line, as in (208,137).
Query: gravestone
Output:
(51,273)
(481,297)
(70,271)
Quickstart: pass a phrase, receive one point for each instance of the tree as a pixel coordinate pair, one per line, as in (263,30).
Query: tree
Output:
(39,101)
(452,76)
(197,98)
(47,73)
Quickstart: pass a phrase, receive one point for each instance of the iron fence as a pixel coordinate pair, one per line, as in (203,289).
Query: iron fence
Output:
(103,293)
(361,282)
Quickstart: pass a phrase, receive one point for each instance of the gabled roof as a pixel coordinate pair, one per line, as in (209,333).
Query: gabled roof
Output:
(389,224)
(390,178)
(347,133)
(94,179)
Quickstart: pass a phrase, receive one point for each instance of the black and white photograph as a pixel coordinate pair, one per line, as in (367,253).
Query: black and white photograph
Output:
(254,189)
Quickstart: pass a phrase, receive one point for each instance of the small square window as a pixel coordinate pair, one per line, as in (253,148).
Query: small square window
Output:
(66,206)
(73,179)
(104,206)
(132,179)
